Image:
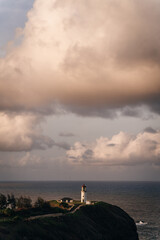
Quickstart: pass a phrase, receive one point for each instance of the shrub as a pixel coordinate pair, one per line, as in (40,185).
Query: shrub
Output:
(8,212)
(11,201)
(17,218)
(24,202)
(41,203)
(64,205)
(3,201)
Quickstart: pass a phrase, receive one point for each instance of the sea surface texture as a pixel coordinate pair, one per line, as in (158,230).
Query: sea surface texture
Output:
(141,200)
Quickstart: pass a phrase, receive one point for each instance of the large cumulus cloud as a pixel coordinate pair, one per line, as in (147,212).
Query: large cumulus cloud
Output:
(88,56)
(18,133)
(121,149)
(92,58)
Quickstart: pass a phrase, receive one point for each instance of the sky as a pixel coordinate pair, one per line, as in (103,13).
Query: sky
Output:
(80,90)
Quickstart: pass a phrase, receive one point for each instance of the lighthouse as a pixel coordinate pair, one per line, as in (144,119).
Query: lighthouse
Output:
(83,194)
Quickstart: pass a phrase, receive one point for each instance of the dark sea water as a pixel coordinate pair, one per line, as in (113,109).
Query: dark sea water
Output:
(141,200)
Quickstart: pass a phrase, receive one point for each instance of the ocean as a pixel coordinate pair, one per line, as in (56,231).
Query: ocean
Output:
(141,200)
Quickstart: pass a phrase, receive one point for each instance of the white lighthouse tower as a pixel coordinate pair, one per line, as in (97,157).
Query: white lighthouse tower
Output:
(83,194)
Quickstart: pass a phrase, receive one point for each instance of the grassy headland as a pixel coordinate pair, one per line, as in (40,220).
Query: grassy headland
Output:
(100,221)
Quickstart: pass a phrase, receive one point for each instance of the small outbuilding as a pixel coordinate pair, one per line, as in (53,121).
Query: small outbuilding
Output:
(66,200)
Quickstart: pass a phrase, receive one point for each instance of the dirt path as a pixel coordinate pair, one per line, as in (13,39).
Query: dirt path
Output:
(46,215)
(53,214)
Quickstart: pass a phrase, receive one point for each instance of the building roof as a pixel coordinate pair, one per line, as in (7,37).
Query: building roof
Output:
(66,199)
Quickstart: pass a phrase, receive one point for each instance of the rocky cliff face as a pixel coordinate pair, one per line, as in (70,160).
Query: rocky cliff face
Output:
(101,221)
(105,221)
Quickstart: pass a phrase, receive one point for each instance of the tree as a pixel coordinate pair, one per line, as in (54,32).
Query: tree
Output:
(3,201)
(11,201)
(24,202)
(41,203)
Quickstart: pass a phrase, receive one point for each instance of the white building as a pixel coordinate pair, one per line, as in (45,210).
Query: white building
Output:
(83,194)
(66,200)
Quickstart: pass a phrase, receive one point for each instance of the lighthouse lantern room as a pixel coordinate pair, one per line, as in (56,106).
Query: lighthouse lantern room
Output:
(83,194)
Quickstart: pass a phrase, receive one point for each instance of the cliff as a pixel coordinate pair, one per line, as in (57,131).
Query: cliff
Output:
(101,221)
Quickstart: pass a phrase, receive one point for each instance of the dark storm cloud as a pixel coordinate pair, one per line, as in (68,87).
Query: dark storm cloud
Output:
(92,111)
(111,145)
(150,130)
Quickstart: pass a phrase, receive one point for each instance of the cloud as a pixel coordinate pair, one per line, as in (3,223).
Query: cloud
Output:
(121,149)
(23,133)
(66,134)
(63,145)
(91,59)
(18,133)
(88,58)
(10,160)
(150,130)
(29,160)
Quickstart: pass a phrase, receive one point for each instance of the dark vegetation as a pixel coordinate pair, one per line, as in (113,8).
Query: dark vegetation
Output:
(11,202)
(15,209)
(100,221)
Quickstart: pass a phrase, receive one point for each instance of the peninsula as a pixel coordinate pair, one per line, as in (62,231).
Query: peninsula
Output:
(100,221)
